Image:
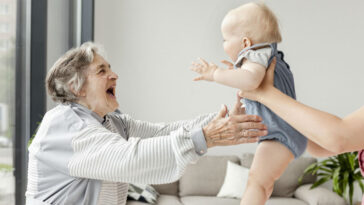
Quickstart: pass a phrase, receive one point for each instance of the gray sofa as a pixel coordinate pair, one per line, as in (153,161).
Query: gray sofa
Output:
(202,181)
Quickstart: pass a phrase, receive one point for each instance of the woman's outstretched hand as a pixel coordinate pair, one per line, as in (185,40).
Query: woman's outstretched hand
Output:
(264,88)
(236,129)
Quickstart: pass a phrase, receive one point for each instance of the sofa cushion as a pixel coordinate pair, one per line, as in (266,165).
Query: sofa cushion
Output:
(211,200)
(208,200)
(288,182)
(206,177)
(162,200)
(318,195)
(169,189)
(285,201)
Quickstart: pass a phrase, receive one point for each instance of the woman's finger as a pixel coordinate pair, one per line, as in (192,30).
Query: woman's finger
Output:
(238,101)
(245,118)
(222,112)
(252,133)
(270,71)
(252,125)
(235,141)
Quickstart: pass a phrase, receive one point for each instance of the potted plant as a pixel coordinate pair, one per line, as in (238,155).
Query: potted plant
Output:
(342,169)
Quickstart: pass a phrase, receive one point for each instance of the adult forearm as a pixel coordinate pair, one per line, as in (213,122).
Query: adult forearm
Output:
(323,128)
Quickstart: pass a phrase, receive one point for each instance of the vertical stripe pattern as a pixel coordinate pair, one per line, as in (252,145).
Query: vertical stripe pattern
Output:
(155,153)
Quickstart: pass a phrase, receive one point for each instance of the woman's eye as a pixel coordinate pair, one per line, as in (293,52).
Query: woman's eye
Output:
(102,71)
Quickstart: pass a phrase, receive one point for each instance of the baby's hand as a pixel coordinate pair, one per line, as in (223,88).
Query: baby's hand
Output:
(205,69)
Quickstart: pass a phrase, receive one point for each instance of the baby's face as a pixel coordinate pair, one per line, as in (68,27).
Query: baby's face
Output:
(234,27)
(232,37)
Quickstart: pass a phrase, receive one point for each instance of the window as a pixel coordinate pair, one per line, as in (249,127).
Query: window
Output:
(4,28)
(4,9)
(4,45)
(7,101)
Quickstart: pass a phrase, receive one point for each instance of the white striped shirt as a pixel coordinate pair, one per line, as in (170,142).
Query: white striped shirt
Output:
(74,157)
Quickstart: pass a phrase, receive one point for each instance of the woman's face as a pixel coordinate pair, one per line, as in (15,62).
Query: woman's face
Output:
(98,92)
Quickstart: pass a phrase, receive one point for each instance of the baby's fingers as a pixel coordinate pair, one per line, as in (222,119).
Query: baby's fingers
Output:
(228,63)
(198,78)
(204,63)
(195,69)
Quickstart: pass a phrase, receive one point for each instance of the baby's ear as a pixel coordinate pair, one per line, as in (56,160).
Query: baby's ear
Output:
(246,42)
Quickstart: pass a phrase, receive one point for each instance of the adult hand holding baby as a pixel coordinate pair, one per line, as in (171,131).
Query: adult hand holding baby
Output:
(264,88)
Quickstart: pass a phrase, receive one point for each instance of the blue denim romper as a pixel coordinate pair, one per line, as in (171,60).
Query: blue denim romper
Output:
(278,129)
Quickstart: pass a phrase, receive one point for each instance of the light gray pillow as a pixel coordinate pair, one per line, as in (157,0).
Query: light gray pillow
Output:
(235,181)
(206,176)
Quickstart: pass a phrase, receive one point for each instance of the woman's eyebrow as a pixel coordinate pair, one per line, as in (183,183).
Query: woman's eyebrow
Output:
(103,65)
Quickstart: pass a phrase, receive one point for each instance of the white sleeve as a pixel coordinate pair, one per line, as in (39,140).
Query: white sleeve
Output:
(143,129)
(260,56)
(101,154)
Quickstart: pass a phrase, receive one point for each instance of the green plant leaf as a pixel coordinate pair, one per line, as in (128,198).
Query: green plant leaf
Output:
(335,181)
(319,182)
(310,168)
(345,181)
(351,192)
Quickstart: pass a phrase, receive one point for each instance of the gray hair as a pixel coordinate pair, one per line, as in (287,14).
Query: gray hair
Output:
(69,72)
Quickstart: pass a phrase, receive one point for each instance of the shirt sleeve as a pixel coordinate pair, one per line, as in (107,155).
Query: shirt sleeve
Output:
(101,154)
(143,129)
(260,56)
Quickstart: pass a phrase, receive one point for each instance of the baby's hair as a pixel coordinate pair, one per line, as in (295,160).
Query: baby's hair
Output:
(265,29)
(271,27)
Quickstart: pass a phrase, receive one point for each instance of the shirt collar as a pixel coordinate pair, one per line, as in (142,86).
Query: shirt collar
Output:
(85,110)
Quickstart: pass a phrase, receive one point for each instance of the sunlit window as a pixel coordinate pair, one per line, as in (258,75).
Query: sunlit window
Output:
(7,99)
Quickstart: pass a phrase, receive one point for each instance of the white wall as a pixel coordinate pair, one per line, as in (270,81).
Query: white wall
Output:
(151,44)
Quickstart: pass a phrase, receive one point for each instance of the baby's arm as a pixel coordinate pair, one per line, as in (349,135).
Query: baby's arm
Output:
(248,77)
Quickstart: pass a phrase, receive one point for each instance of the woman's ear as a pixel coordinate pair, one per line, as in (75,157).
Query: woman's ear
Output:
(80,93)
(246,42)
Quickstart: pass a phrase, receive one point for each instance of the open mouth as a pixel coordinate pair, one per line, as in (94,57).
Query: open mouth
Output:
(111,91)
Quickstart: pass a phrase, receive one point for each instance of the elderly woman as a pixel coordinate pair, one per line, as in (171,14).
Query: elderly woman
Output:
(85,153)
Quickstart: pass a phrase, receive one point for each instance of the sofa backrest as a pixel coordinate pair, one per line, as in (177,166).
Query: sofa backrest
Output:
(288,182)
(206,177)
(169,189)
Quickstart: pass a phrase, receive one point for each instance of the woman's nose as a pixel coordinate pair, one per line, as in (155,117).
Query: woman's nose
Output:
(114,76)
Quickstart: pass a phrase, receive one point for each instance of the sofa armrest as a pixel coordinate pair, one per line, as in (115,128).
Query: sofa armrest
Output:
(318,196)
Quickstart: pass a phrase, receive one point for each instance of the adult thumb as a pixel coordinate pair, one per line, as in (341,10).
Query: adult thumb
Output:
(223,111)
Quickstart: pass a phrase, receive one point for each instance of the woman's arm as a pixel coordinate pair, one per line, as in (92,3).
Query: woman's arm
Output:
(101,154)
(318,151)
(329,131)
(247,78)
(143,129)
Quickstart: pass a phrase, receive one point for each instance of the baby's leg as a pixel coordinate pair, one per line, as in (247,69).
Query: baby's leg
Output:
(270,161)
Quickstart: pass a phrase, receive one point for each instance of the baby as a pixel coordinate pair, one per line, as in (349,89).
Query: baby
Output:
(251,34)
